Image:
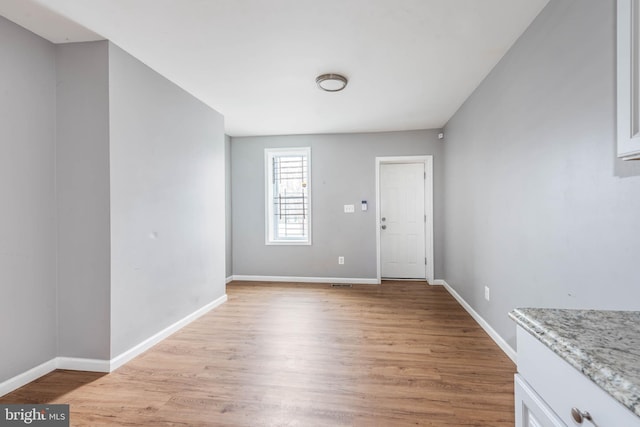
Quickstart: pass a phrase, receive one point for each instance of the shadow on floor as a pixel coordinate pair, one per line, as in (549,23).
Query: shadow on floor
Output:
(51,388)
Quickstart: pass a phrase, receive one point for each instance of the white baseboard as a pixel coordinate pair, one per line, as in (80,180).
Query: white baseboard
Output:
(229,279)
(26,377)
(95,365)
(79,364)
(508,350)
(99,365)
(350,280)
(145,345)
(437,282)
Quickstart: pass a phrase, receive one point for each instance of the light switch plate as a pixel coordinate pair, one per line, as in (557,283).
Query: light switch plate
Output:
(349,208)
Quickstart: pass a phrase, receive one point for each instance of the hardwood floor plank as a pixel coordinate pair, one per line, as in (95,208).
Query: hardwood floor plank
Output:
(286,354)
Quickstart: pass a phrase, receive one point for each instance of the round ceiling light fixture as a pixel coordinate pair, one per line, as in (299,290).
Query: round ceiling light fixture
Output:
(331,82)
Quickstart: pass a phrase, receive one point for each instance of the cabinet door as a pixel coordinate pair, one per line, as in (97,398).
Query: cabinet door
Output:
(628,81)
(531,410)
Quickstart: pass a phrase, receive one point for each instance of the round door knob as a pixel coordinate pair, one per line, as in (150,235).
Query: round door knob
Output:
(579,416)
(384,227)
(383,219)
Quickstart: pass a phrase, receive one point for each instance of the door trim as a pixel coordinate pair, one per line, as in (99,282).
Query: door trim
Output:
(428,208)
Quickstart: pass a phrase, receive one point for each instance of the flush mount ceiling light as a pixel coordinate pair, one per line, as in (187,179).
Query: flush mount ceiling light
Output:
(331,82)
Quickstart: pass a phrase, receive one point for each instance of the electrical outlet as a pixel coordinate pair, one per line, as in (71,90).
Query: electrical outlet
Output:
(487,293)
(340,260)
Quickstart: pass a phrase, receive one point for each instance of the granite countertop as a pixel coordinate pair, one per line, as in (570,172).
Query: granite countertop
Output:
(603,345)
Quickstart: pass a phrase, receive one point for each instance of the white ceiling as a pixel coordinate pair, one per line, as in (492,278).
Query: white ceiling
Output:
(410,63)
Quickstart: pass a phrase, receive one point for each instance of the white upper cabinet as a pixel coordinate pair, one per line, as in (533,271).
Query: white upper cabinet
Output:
(628,79)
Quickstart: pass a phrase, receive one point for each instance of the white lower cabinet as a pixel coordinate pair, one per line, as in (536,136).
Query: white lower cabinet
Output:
(547,389)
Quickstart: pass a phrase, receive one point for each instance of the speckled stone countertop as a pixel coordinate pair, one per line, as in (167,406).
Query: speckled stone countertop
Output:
(603,345)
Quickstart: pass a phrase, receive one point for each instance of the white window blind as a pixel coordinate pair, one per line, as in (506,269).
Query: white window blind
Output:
(288,196)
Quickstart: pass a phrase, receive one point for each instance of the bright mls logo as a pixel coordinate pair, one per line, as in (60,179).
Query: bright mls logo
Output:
(34,415)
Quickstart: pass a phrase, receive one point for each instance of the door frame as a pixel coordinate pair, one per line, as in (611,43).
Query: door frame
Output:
(427,160)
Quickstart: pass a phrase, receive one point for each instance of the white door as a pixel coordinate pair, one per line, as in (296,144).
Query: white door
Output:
(402,220)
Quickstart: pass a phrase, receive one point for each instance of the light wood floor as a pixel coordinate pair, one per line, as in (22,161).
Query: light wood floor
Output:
(398,354)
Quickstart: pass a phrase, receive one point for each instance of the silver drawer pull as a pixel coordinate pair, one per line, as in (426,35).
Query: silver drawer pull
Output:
(579,416)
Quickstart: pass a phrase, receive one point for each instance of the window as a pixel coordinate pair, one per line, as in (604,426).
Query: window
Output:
(288,196)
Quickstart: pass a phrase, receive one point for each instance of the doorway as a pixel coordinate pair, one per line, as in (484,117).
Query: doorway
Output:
(404,217)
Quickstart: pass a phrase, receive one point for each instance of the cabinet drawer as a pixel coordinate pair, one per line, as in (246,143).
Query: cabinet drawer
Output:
(563,387)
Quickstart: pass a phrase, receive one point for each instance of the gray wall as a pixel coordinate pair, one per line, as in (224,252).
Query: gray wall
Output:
(535,205)
(343,172)
(28,214)
(113,178)
(227,204)
(82,176)
(167,202)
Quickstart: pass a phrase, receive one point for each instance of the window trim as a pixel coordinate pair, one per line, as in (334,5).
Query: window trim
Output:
(268,195)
